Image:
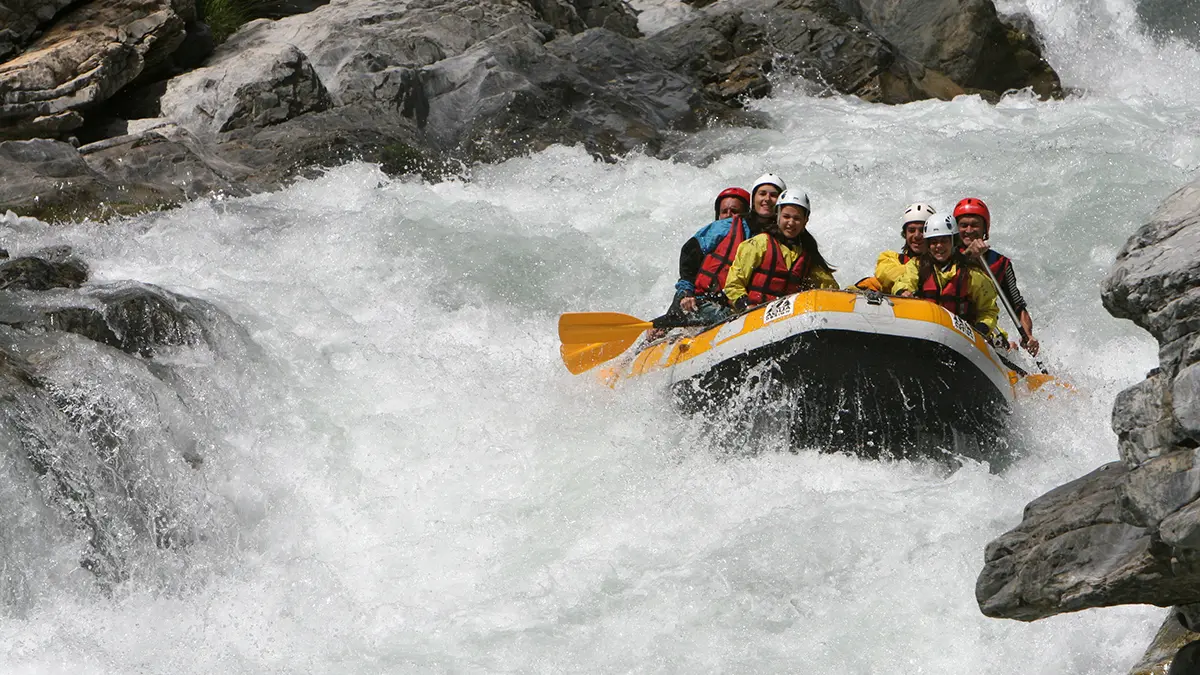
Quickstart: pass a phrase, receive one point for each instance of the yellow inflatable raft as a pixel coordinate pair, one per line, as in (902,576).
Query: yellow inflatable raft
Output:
(837,370)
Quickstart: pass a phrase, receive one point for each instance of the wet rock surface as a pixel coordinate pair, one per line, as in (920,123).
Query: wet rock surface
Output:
(433,87)
(98,432)
(1129,532)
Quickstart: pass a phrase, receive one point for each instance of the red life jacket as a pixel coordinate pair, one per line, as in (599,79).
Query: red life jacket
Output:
(716,265)
(904,257)
(953,296)
(773,278)
(998,263)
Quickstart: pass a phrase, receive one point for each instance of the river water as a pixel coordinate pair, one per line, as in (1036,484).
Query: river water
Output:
(400,476)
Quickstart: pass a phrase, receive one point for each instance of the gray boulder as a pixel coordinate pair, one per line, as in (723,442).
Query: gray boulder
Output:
(1074,550)
(1160,656)
(844,47)
(462,81)
(576,16)
(966,40)
(111,468)
(1156,280)
(171,164)
(20,20)
(50,180)
(87,56)
(1130,531)
(258,87)
(877,49)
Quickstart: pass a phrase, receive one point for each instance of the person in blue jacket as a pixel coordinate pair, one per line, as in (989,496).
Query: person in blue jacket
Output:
(705,259)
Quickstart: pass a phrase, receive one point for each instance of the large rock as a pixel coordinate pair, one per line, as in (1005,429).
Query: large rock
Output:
(734,44)
(255,88)
(578,15)
(50,180)
(303,145)
(462,81)
(101,440)
(966,40)
(1156,280)
(512,94)
(880,50)
(428,86)
(21,19)
(171,164)
(87,56)
(1130,531)
(1074,550)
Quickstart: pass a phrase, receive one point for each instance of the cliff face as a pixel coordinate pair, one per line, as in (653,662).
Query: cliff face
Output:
(1129,532)
(431,87)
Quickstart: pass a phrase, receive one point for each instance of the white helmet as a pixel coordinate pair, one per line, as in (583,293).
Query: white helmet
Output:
(918,213)
(941,226)
(768,179)
(792,198)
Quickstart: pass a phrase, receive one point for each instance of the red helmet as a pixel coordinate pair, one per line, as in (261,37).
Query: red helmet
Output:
(730,192)
(975,207)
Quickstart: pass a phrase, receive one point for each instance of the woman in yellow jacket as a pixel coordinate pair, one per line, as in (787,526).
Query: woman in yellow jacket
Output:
(945,276)
(891,264)
(783,260)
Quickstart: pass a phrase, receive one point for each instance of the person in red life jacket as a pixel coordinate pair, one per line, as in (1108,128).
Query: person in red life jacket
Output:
(944,275)
(783,260)
(889,267)
(705,259)
(974,224)
(733,201)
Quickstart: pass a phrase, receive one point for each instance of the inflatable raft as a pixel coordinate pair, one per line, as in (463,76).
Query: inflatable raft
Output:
(868,373)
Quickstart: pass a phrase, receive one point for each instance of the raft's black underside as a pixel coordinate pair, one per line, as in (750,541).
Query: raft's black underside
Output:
(844,391)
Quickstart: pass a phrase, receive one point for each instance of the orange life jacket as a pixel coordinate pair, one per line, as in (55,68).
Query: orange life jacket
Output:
(773,278)
(715,267)
(953,296)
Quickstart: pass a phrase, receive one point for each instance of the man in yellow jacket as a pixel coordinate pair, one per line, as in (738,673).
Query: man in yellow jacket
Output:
(783,260)
(944,275)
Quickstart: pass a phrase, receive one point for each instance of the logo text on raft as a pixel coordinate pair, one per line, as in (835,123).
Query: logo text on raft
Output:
(779,309)
(962,326)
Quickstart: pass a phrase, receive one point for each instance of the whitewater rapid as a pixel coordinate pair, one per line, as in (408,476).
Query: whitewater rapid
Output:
(404,478)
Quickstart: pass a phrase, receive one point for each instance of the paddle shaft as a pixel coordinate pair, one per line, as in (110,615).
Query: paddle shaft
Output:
(1012,314)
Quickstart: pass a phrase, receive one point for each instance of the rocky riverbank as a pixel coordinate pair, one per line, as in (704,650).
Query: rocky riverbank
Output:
(1129,532)
(111,106)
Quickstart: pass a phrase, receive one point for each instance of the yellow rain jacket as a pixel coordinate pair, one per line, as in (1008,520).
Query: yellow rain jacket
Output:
(888,270)
(750,256)
(980,290)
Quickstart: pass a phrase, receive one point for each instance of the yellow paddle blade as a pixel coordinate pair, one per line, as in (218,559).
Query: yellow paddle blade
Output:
(582,358)
(586,328)
(1035,382)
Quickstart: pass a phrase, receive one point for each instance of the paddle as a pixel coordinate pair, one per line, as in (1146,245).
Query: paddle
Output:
(1012,314)
(582,358)
(588,327)
(591,338)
